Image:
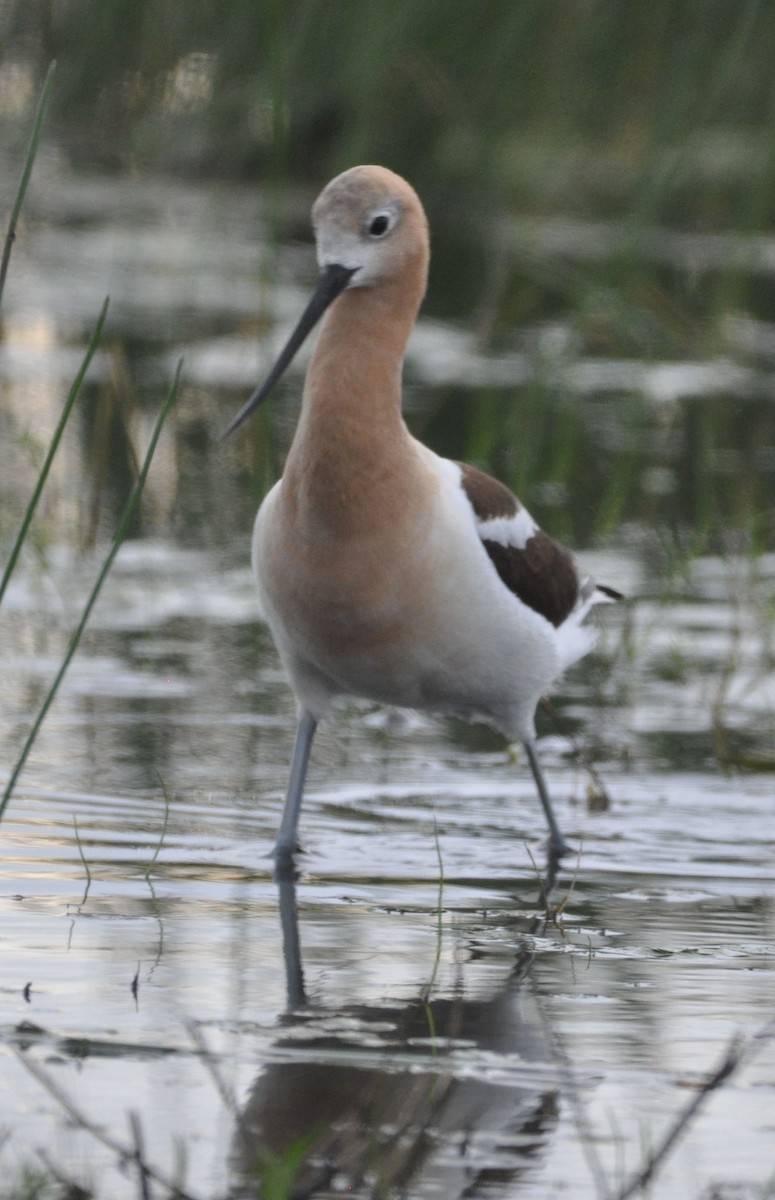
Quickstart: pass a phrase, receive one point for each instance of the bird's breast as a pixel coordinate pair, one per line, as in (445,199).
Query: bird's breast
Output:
(345,575)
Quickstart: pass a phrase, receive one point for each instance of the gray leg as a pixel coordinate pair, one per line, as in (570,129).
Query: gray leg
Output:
(294,971)
(286,844)
(557,844)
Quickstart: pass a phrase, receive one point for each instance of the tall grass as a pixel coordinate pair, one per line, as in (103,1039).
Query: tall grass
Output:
(494,98)
(24,180)
(640,117)
(134,498)
(8,243)
(43,473)
(122,529)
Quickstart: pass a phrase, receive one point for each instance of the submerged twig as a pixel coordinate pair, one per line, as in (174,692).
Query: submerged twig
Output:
(124,1151)
(139,1154)
(152,861)
(223,1087)
(71,1190)
(601,793)
(426,996)
(118,538)
(439,913)
(225,1091)
(738,1050)
(29,160)
(553,913)
(580,1117)
(82,856)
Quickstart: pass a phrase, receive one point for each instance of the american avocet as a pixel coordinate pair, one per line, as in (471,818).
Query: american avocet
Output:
(385,571)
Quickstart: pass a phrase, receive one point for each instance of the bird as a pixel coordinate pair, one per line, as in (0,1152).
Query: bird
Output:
(385,571)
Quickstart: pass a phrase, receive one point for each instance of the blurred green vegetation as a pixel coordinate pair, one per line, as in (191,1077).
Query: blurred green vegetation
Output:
(624,108)
(638,120)
(699,477)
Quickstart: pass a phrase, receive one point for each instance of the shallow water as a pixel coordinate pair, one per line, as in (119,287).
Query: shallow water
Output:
(490,1069)
(412,1016)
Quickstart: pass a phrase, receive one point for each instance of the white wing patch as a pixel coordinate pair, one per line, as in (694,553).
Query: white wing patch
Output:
(515,531)
(534,567)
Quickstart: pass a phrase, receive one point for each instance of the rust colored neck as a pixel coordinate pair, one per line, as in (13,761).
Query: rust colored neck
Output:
(351,452)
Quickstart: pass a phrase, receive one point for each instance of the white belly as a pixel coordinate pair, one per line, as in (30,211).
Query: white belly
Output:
(416,619)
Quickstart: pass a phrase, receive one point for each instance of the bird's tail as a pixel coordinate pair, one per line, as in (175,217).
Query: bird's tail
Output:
(575,638)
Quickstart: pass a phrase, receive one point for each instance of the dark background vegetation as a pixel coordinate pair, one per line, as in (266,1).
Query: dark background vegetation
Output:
(624,104)
(640,121)
(599,180)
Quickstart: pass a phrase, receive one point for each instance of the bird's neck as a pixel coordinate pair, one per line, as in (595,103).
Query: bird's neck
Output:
(351,446)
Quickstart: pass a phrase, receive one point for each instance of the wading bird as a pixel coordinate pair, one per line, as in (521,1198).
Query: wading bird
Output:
(385,571)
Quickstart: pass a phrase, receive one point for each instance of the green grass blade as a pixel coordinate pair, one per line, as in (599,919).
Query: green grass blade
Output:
(42,477)
(86,867)
(118,537)
(426,996)
(150,865)
(21,191)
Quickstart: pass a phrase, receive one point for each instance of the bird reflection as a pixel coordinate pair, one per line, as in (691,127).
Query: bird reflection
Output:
(425,1098)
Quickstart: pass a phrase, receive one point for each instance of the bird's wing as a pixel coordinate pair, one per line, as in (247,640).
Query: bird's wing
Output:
(537,569)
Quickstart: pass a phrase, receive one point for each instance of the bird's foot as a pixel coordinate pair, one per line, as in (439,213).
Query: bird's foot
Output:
(558,848)
(556,851)
(284,855)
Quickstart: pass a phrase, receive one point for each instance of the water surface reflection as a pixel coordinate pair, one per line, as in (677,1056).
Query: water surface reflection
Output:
(435,1097)
(169,746)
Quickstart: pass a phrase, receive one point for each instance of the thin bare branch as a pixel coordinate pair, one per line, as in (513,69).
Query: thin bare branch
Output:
(139,1155)
(208,1058)
(737,1052)
(123,1151)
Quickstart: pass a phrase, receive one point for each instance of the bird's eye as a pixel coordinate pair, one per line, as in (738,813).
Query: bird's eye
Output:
(379,225)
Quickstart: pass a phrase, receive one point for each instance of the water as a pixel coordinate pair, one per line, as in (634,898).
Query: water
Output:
(412,1016)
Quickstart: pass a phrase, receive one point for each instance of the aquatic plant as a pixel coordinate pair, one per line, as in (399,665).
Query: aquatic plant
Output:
(118,538)
(133,500)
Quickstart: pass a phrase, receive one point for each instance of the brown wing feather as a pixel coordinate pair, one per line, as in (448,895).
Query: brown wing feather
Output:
(542,573)
(488,497)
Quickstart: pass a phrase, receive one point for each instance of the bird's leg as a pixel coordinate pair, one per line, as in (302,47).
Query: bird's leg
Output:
(557,844)
(286,844)
(289,920)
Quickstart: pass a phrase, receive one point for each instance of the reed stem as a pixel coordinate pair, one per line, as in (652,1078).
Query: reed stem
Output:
(29,160)
(55,440)
(121,531)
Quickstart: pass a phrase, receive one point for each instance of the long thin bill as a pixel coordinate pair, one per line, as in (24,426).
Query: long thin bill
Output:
(333,280)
